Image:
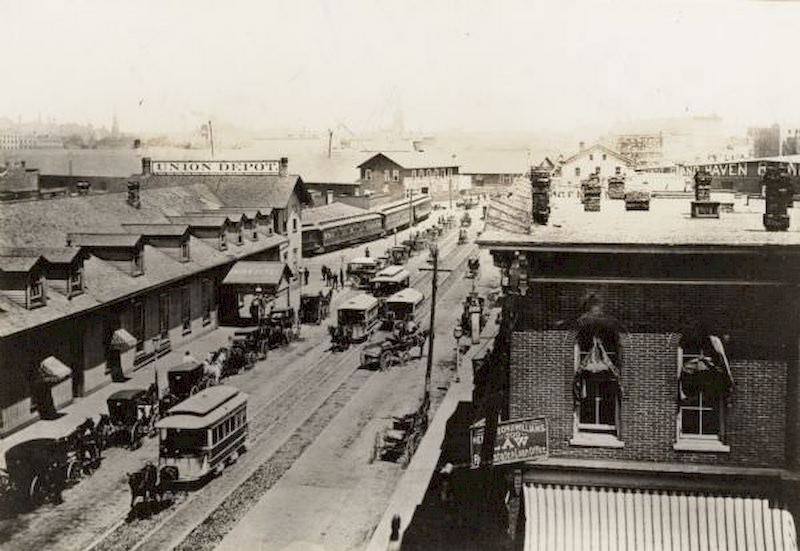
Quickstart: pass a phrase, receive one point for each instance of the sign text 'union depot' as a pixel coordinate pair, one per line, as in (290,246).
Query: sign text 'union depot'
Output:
(215,167)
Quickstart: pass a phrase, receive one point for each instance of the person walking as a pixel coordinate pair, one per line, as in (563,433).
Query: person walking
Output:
(305,273)
(325,274)
(335,281)
(366,252)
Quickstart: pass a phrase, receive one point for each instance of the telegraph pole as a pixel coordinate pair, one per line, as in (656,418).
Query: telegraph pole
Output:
(211,138)
(434,251)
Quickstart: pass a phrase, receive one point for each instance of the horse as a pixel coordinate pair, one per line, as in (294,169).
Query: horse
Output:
(143,483)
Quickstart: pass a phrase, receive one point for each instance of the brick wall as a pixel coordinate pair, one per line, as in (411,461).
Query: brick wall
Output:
(541,374)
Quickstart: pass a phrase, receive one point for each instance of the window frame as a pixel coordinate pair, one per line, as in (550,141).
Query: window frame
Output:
(138,323)
(368,174)
(595,435)
(206,300)
(185,252)
(395,175)
(39,297)
(577,172)
(75,281)
(137,263)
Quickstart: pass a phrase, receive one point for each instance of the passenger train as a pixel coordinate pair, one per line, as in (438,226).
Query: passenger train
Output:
(321,236)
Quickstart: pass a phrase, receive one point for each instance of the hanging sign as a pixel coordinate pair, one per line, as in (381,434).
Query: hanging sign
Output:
(215,167)
(516,441)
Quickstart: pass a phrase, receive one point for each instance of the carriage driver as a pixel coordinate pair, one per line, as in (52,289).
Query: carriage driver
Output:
(411,327)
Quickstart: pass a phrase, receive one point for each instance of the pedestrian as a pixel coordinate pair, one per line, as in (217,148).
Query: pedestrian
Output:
(394,537)
(305,273)
(335,281)
(341,276)
(366,252)
(324,274)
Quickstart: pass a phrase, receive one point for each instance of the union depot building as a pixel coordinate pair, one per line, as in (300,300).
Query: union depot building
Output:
(662,351)
(98,284)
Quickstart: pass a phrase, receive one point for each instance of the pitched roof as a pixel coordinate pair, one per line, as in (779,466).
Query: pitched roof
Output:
(157,230)
(330,212)
(596,147)
(54,255)
(16,264)
(200,220)
(103,239)
(234,216)
(413,159)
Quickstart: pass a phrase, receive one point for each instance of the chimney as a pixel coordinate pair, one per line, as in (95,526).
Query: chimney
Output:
(283,170)
(703,206)
(779,193)
(133,195)
(147,165)
(540,190)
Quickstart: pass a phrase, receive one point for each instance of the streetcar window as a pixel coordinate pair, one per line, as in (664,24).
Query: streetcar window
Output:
(179,442)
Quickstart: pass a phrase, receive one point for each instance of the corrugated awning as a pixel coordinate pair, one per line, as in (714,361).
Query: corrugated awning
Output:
(122,340)
(587,518)
(53,370)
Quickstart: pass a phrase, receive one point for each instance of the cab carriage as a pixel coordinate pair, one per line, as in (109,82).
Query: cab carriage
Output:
(37,470)
(186,379)
(132,414)
(359,316)
(390,280)
(402,306)
(203,434)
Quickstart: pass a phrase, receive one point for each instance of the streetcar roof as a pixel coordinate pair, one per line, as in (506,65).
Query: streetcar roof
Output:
(363,260)
(360,302)
(409,295)
(203,409)
(393,274)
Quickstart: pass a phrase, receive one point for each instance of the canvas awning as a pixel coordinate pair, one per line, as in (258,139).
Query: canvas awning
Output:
(53,370)
(122,340)
(257,273)
(581,517)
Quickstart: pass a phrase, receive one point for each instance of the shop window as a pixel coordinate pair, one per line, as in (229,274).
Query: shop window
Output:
(138,324)
(163,315)
(186,309)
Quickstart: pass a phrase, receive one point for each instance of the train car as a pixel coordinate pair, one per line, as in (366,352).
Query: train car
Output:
(422,208)
(336,226)
(397,214)
(203,433)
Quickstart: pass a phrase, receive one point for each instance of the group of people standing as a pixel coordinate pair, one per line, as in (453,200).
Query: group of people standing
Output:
(331,278)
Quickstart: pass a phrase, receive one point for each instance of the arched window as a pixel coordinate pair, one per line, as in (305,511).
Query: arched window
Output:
(704,380)
(597,381)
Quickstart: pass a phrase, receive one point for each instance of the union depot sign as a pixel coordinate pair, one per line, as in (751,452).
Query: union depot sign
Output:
(516,441)
(215,167)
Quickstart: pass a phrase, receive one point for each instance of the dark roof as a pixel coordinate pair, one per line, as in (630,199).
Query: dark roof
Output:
(240,190)
(104,239)
(18,263)
(332,211)
(200,221)
(127,394)
(667,224)
(157,230)
(413,159)
(54,255)
(234,216)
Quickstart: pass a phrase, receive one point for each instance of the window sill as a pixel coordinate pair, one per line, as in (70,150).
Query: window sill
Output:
(690,445)
(591,440)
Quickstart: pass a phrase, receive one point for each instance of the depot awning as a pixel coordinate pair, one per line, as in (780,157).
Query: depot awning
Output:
(53,371)
(122,340)
(258,273)
(580,517)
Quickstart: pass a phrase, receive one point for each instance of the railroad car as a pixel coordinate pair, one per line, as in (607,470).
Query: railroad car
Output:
(203,433)
(327,235)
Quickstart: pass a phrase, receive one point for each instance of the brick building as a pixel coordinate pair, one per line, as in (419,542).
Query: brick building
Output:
(392,174)
(107,283)
(663,353)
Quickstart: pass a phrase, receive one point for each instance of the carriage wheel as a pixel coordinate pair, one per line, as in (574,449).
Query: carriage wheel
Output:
(35,493)
(73,470)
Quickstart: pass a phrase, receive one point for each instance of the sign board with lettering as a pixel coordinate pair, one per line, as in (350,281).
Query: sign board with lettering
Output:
(741,169)
(516,441)
(215,167)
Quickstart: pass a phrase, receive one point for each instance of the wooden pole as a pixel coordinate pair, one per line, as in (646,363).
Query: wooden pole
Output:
(434,285)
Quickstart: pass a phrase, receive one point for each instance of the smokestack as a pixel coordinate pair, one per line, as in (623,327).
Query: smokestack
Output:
(147,165)
(540,190)
(283,170)
(779,194)
(703,206)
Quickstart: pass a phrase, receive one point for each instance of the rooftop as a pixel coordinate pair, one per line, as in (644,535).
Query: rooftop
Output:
(413,159)
(256,273)
(331,212)
(667,224)
(55,255)
(103,239)
(200,220)
(157,230)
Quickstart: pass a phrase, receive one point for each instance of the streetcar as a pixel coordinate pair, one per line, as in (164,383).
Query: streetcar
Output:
(203,433)
(401,306)
(390,280)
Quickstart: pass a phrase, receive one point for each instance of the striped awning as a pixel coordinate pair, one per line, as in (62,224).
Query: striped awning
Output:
(53,371)
(582,518)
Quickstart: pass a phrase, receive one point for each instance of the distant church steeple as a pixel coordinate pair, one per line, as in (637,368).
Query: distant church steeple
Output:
(114,126)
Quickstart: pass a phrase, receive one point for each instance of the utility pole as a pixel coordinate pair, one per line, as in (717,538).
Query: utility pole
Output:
(410,209)
(211,138)
(330,139)
(434,251)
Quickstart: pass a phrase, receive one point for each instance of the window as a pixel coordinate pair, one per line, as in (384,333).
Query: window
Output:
(368,174)
(700,415)
(591,157)
(604,156)
(185,251)
(205,299)
(138,324)
(163,315)
(435,172)
(617,170)
(36,292)
(240,236)
(598,409)
(186,309)
(597,170)
(395,175)
(223,243)
(414,173)
(76,281)
(429,173)
(294,225)
(386,175)
(138,263)
(577,171)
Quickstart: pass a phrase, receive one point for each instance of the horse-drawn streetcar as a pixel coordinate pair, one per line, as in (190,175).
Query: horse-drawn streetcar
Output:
(402,306)
(315,307)
(390,280)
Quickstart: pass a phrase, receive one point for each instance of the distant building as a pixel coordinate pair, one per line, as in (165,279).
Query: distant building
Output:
(596,159)
(392,174)
(492,171)
(641,149)
(29,141)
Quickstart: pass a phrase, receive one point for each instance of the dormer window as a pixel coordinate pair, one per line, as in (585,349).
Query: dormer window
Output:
(223,243)
(36,296)
(239,237)
(185,251)
(75,281)
(138,263)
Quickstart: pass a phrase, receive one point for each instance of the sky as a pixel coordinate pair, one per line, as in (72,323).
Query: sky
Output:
(474,65)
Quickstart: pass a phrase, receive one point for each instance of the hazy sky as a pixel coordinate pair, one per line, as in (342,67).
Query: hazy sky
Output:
(470,64)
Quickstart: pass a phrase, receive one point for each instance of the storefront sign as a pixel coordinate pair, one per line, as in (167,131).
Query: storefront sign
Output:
(215,167)
(742,169)
(516,441)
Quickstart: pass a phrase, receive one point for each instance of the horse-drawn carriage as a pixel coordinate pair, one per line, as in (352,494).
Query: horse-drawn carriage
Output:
(473,267)
(399,442)
(474,316)
(315,307)
(466,220)
(462,236)
(184,380)
(396,349)
(38,470)
(132,414)
(279,326)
